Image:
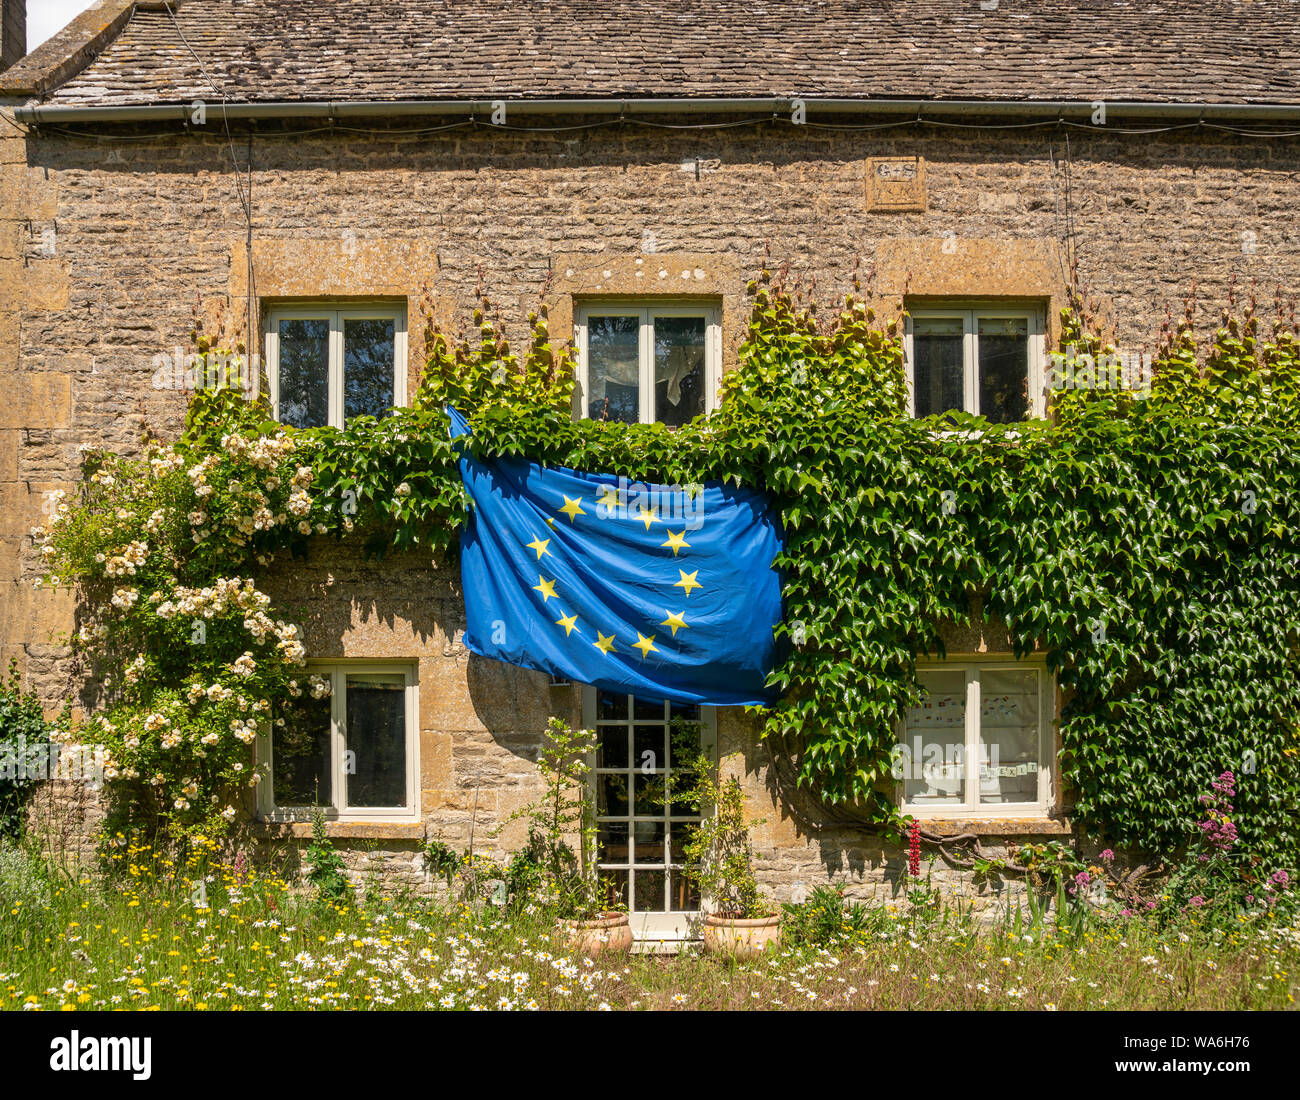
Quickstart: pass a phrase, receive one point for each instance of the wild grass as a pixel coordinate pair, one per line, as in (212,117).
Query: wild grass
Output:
(212,936)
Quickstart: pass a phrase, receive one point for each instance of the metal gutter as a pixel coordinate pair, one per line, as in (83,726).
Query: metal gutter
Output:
(630,108)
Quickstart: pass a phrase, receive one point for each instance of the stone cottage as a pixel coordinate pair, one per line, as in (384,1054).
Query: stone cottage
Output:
(314,165)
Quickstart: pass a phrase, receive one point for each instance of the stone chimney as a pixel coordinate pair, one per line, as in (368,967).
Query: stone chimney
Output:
(13,32)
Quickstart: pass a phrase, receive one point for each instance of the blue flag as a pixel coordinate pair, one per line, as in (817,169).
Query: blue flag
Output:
(666,592)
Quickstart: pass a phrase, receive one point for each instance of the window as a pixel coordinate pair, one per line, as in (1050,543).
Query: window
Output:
(998,713)
(648,363)
(983,360)
(347,743)
(329,366)
(639,835)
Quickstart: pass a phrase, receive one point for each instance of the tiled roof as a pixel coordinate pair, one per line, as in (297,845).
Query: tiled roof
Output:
(1222,51)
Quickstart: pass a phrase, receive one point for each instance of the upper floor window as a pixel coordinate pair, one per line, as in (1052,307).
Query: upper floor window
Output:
(980,742)
(328,365)
(982,360)
(648,363)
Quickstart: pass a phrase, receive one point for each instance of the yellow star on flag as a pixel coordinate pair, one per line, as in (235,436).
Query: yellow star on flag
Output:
(540,545)
(572,508)
(609,497)
(545,587)
(688,581)
(570,624)
(647,516)
(645,645)
(675,622)
(677,541)
(604,642)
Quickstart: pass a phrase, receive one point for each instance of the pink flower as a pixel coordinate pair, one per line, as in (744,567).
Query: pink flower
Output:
(1106,855)
(1279,879)
(914,849)
(1197,901)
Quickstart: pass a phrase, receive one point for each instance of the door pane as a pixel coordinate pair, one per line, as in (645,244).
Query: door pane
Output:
(376,733)
(650,891)
(935,741)
(1004,369)
(300,754)
(611,705)
(611,746)
(613,368)
(368,354)
(304,372)
(937,364)
(679,369)
(1009,736)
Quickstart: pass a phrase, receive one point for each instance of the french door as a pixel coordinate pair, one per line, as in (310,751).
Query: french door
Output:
(640,829)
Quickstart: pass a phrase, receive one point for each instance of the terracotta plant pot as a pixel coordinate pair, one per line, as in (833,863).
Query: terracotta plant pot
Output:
(609,933)
(742,938)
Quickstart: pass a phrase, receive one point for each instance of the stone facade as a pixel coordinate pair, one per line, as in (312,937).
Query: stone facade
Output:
(107,247)
(13,31)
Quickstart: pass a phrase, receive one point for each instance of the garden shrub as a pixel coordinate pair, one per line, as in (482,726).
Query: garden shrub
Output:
(24,751)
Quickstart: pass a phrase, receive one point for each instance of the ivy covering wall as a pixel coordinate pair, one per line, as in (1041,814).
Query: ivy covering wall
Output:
(1146,546)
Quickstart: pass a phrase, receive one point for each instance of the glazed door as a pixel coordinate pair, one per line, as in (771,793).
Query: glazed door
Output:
(640,829)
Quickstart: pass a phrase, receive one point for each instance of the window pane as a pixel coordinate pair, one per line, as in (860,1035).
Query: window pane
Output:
(649,849)
(304,372)
(300,754)
(650,891)
(612,836)
(1009,736)
(679,369)
(935,741)
(611,705)
(1004,369)
(611,746)
(612,795)
(937,364)
(368,352)
(648,748)
(376,734)
(685,894)
(613,358)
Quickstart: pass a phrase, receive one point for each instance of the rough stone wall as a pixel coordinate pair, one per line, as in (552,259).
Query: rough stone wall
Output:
(13,31)
(106,247)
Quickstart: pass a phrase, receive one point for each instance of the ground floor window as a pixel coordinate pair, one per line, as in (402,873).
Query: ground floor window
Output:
(980,741)
(640,829)
(345,741)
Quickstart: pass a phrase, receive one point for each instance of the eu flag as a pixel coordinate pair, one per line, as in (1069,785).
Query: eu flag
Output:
(666,592)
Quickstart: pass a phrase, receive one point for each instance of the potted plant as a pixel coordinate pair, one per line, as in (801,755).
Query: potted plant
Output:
(718,859)
(548,866)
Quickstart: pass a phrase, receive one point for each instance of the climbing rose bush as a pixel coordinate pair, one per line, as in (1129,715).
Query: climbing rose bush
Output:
(187,651)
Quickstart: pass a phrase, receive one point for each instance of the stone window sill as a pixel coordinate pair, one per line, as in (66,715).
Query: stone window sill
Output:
(341,830)
(997,826)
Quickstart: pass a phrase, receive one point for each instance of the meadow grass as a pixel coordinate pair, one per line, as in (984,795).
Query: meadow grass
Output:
(207,936)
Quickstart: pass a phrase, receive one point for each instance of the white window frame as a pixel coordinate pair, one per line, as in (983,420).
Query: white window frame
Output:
(673,926)
(647,311)
(970,806)
(969,313)
(336,315)
(338,672)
